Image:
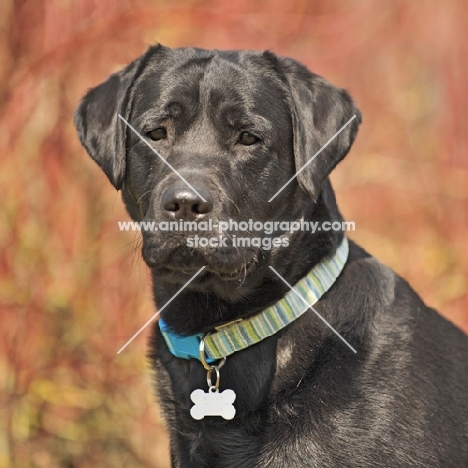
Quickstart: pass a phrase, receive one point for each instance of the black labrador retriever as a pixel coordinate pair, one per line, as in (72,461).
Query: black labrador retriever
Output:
(365,374)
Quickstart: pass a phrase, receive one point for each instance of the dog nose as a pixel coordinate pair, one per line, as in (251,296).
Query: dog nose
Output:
(184,203)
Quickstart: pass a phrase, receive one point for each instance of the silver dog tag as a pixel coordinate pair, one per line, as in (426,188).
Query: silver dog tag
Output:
(213,403)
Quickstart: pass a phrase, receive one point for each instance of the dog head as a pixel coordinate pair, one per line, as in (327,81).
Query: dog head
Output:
(192,135)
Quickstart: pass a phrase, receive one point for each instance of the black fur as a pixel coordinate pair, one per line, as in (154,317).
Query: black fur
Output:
(303,398)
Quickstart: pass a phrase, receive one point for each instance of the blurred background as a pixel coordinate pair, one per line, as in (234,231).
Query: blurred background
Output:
(73,289)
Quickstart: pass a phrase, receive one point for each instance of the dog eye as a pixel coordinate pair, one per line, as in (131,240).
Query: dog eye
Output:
(157,134)
(247,139)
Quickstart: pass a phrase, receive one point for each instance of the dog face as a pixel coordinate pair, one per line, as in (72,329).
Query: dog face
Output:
(230,129)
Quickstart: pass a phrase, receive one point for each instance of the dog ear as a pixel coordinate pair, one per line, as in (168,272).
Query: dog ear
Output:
(319,111)
(99,128)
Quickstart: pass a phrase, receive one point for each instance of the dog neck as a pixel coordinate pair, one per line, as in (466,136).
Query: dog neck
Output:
(243,333)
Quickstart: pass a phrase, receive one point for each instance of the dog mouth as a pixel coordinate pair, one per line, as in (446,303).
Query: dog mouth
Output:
(205,272)
(181,264)
(240,272)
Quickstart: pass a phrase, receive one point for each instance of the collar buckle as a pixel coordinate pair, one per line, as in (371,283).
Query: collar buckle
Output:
(227,324)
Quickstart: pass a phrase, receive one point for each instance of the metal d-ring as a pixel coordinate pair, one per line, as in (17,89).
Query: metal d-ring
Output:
(207,366)
(211,387)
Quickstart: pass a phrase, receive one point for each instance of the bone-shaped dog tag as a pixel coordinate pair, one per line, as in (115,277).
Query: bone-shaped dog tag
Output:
(213,403)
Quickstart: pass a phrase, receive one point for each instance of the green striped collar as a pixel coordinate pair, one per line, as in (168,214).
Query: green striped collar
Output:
(234,336)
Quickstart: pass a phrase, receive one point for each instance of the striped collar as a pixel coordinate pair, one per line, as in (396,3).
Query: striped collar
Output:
(237,335)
